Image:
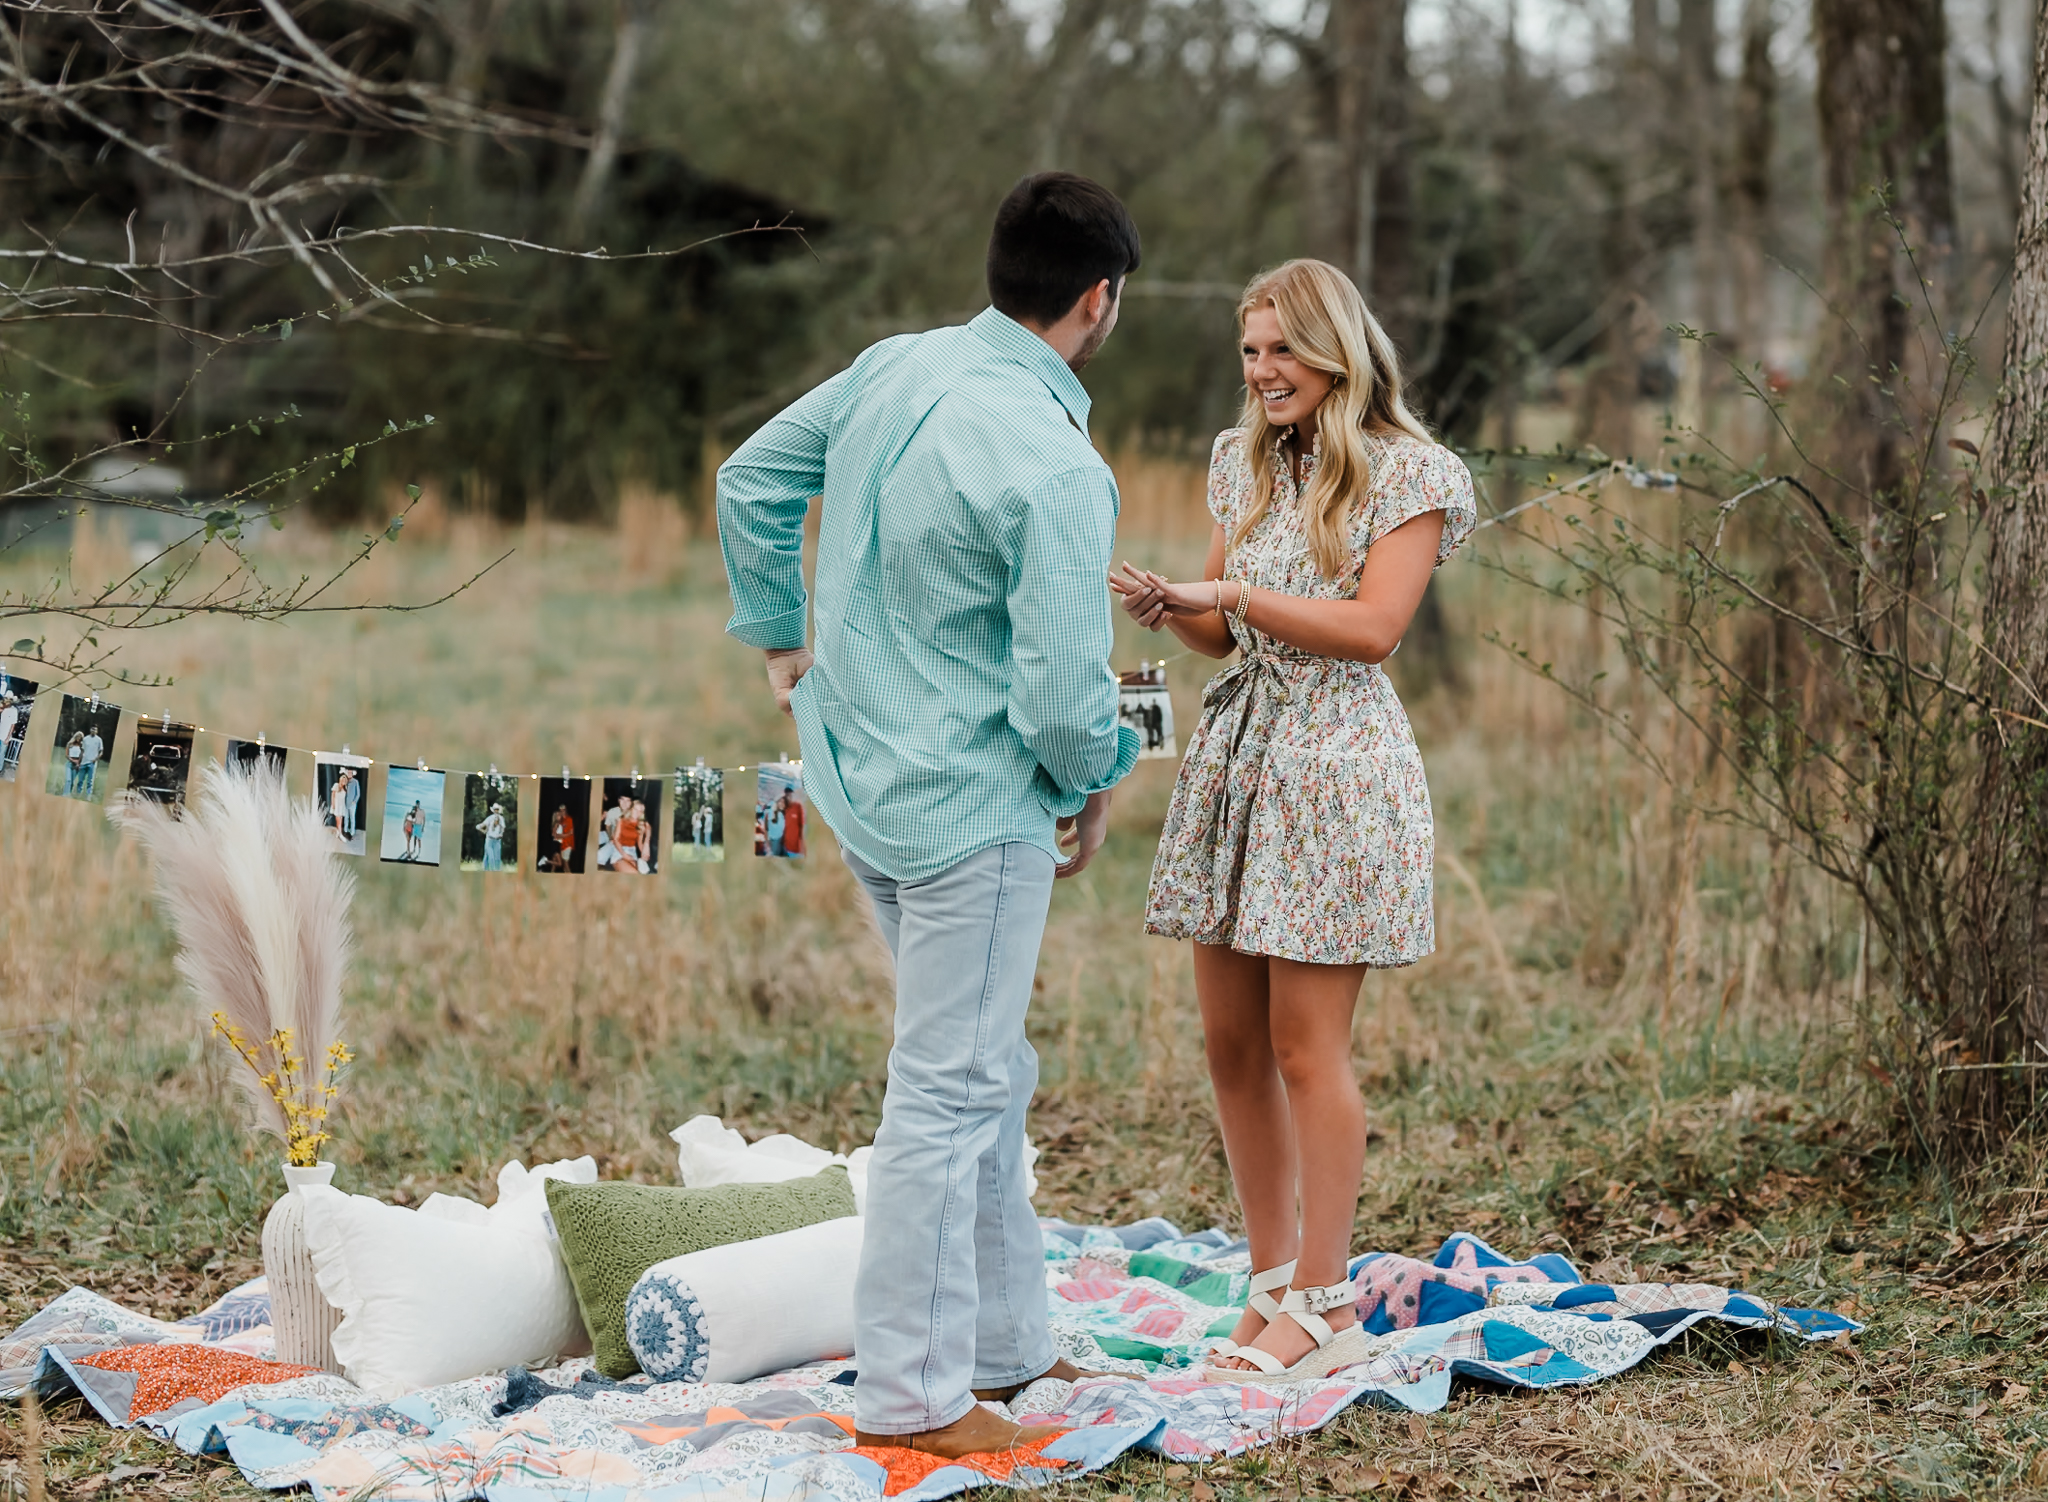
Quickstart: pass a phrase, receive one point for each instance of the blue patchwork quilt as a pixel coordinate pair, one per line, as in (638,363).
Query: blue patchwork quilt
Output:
(1143,1301)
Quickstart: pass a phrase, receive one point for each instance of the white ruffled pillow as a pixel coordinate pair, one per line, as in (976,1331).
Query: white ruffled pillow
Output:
(710,1152)
(449,1291)
(736,1312)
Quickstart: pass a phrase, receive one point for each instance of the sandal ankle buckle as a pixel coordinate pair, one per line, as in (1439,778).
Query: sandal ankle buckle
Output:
(1323,1300)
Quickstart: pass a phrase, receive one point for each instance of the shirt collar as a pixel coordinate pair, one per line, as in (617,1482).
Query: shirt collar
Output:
(1285,470)
(1012,340)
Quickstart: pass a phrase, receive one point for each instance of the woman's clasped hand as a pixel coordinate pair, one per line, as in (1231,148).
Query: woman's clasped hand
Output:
(1149,598)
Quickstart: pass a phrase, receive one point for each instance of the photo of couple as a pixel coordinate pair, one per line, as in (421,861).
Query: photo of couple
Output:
(779,811)
(699,833)
(17,700)
(340,792)
(412,816)
(490,822)
(84,746)
(626,830)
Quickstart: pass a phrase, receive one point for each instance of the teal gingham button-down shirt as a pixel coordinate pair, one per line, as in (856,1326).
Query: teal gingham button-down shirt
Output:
(962,695)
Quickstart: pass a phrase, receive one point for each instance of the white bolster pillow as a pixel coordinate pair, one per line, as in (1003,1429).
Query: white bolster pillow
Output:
(736,1312)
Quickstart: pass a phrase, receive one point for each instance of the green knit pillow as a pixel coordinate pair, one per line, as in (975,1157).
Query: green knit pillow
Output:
(613,1232)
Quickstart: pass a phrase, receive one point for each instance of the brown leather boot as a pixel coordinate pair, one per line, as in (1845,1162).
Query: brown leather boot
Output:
(1062,1370)
(977,1432)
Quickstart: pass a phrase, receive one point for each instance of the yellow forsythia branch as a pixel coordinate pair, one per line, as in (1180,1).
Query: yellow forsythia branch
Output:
(286,1080)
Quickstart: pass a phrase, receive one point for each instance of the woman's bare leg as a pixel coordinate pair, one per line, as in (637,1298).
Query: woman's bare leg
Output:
(1251,1105)
(1310,1009)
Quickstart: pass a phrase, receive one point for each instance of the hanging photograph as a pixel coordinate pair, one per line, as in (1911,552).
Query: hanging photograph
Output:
(564,825)
(162,761)
(17,698)
(490,822)
(779,810)
(412,816)
(1145,704)
(627,826)
(246,756)
(341,790)
(700,815)
(84,746)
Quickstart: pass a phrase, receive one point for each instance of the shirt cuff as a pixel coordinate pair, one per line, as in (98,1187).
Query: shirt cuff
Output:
(1064,804)
(1127,748)
(779,633)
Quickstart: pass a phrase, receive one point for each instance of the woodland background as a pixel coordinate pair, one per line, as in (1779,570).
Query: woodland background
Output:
(1734,902)
(1533,195)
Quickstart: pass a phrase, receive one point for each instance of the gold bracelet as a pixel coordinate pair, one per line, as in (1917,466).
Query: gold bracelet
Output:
(1244,600)
(1219,599)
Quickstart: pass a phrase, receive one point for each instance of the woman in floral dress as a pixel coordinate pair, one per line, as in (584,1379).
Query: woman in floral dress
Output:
(1298,849)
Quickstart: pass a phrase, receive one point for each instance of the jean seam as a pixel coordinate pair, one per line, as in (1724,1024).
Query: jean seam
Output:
(989,984)
(974,1065)
(1002,1282)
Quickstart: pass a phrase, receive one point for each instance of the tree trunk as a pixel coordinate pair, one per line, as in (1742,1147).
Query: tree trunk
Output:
(2006,126)
(1392,288)
(1756,104)
(1507,298)
(2010,863)
(636,22)
(1066,77)
(1883,106)
(1607,412)
(471,27)
(1699,92)
(1341,129)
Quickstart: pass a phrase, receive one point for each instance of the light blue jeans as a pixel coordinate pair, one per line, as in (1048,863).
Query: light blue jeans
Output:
(951,1290)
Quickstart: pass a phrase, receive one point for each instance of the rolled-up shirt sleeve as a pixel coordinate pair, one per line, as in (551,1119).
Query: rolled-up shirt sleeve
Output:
(1063,695)
(764,492)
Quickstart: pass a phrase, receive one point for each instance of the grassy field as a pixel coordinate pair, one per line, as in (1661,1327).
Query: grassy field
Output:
(1634,1047)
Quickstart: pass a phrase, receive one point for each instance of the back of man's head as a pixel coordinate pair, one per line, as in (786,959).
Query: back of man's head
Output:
(1056,235)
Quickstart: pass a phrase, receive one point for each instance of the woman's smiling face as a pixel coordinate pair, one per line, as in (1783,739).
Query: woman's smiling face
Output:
(1290,390)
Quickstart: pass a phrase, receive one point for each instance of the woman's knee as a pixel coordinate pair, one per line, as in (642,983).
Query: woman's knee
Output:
(1237,1055)
(1307,1067)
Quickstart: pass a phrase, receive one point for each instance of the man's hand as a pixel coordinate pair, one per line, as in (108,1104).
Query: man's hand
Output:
(785,667)
(1080,835)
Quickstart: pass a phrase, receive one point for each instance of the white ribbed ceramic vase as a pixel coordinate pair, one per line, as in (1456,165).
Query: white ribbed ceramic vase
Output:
(300,1317)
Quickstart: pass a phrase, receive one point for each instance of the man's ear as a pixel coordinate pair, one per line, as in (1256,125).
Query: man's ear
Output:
(1090,305)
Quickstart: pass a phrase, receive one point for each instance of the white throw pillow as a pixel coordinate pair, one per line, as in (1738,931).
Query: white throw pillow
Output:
(710,1152)
(733,1313)
(449,1291)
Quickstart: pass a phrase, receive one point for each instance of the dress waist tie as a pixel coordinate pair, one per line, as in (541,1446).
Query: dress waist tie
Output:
(1237,687)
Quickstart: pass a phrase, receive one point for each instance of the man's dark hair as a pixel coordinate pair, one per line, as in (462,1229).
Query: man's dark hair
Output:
(1057,235)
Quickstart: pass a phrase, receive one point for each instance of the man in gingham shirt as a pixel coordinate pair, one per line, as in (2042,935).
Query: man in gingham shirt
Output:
(959,728)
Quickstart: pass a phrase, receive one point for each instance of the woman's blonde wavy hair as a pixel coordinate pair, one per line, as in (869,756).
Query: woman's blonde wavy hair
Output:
(1329,328)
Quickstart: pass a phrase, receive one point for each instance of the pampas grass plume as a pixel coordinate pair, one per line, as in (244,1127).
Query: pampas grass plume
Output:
(260,901)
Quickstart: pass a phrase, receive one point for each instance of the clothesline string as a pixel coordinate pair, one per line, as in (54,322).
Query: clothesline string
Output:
(1640,479)
(164,723)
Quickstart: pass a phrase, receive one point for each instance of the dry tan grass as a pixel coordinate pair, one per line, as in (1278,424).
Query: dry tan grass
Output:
(1632,1046)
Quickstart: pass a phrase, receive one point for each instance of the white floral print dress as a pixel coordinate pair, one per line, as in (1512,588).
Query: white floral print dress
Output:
(1300,826)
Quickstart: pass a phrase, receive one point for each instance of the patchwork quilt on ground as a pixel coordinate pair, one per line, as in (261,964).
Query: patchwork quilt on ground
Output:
(1140,1300)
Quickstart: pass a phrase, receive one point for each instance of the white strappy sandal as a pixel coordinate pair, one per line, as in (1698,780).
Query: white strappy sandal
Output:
(1261,1301)
(1335,1349)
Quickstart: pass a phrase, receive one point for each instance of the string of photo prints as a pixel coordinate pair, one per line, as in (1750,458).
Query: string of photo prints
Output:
(627,827)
